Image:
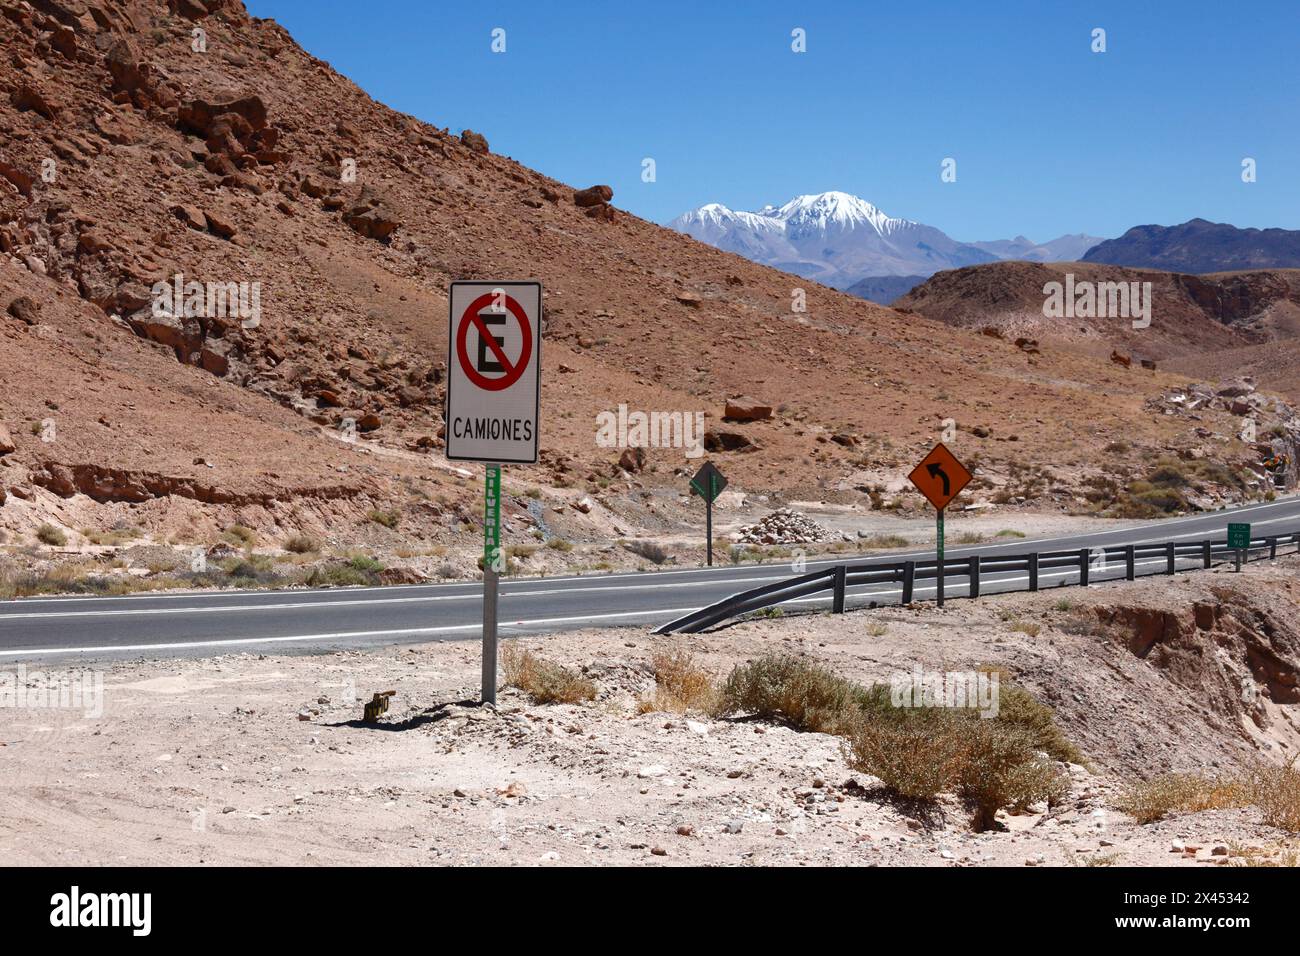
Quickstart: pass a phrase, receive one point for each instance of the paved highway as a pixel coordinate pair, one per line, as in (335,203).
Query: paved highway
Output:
(198,624)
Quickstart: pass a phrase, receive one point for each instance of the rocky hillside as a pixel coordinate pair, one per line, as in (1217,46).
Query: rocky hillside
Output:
(1200,246)
(1191,316)
(147,145)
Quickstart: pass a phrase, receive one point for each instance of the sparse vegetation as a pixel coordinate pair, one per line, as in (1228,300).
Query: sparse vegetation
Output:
(49,534)
(239,536)
(544,681)
(302,544)
(389,519)
(681,685)
(1154,799)
(560,544)
(792,690)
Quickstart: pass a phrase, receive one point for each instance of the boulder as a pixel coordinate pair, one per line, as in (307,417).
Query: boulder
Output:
(192,216)
(743,408)
(1120,359)
(473,141)
(25,310)
(7,446)
(370,216)
(632,459)
(592,196)
(369,422)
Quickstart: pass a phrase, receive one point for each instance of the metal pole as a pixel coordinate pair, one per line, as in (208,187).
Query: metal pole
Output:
(939,556)
(708,523)
(491,561)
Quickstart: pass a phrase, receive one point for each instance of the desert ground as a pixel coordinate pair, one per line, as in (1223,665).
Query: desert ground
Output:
(261,759)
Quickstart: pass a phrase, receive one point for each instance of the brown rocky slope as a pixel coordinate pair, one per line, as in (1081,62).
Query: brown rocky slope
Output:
(131,152)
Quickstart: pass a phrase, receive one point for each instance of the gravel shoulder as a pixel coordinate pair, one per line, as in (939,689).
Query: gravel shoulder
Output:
(252,759)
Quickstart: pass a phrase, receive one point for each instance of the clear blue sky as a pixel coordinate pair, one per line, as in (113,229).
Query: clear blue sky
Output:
(1049,137)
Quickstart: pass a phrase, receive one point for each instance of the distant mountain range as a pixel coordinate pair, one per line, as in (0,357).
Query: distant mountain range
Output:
(1199,246)
(845,242)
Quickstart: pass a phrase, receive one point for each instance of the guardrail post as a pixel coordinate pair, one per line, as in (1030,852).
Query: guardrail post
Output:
(1033,571)
(975,575)
(1272,549)
(1171,558)
(909,580)
(1207,552)
(1130,562)
(1084,557)
(838,603)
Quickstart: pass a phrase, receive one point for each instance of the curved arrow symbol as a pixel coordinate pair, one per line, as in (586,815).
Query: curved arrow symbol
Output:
(936,471)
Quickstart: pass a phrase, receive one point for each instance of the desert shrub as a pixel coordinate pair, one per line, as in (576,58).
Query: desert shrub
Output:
(1276,791)
(302,544)
(999,766)
(1150,800)
(240,536)
(559,544)
(916,754)
(884,541)
(1019,708)
(544,681)
(681,685)
(791,689)
(389,519)
(49,534)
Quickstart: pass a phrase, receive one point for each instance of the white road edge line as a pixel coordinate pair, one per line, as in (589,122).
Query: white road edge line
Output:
(341,635)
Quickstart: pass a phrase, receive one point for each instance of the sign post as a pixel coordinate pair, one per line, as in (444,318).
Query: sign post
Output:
(708,484)
(494,362)
(940,477)
(1239,541)
(492,567)
(939,556)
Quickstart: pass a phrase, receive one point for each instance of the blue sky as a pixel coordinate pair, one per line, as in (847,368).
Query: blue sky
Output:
(1048,136)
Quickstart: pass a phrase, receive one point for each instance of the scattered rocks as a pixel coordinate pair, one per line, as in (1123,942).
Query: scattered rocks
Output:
(784,526)
(474,142)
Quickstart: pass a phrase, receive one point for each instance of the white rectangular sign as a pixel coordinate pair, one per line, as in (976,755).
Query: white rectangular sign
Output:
(494,366)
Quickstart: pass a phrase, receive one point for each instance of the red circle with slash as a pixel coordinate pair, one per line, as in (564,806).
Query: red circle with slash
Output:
(513,370)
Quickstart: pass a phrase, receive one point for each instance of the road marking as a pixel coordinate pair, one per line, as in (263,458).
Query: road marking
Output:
(373,602)
(338,636)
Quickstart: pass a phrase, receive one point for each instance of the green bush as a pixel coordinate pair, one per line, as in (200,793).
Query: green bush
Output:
(49,534)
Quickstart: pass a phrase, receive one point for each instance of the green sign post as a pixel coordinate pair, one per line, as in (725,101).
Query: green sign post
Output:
(708,484)
(1239,540)
(493,565)
(939,558)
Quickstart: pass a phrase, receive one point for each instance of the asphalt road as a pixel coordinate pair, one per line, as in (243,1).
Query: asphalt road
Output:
(200,624)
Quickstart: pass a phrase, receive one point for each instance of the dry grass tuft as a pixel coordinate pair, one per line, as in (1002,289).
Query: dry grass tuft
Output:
(681,685)
(1154,799)
(792,690)
(1276,791)
(544,681)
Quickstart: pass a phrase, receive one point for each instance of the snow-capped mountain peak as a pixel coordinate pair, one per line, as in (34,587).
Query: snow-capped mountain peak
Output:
(833,237)
(822,211)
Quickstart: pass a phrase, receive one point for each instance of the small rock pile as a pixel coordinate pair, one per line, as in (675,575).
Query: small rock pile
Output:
(784,526)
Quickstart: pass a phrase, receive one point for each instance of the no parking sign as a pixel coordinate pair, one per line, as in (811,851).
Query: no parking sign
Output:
(494,363)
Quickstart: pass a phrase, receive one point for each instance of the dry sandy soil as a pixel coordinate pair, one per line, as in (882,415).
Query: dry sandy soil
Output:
(249,759)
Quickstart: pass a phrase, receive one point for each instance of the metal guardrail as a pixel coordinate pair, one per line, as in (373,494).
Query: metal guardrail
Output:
(839,578)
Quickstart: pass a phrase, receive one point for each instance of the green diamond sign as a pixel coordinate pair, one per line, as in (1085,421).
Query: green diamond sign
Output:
(1239,536)
(708,482)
